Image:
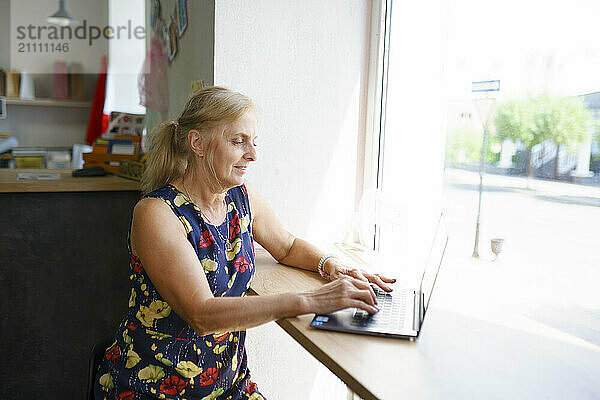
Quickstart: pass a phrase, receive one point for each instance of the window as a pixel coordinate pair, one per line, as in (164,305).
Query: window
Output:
(398,216)
(541,195)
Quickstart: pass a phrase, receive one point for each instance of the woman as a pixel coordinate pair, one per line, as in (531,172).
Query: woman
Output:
(192,260)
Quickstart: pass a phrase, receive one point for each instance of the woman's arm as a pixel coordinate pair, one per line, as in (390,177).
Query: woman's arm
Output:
(296,252)
(159,239)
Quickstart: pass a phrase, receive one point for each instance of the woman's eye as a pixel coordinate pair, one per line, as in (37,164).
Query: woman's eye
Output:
(238,141)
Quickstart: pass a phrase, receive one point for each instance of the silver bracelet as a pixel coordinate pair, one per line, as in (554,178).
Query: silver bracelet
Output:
(322,272)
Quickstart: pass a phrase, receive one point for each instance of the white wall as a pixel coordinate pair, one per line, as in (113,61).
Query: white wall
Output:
(305,64)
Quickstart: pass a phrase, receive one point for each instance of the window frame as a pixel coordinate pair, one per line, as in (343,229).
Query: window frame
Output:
(374,139)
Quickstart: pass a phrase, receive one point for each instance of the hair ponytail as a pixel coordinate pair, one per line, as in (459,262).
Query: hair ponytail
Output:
(165,163)
(170,152)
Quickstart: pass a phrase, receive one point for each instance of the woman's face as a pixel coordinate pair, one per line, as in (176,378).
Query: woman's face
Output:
(235,150)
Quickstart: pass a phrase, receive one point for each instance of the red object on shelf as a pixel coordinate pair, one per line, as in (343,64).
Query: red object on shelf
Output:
(94,129)
(105,119)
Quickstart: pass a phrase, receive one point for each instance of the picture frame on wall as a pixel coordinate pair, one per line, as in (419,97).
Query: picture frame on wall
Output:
(2,107)
(155,16)
(164,30)
(172,40)
(175,18)
(181,16)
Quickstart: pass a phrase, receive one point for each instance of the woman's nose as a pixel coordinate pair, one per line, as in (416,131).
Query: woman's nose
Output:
(250,153)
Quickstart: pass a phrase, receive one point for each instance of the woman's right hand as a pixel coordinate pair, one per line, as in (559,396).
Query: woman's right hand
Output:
(344,292)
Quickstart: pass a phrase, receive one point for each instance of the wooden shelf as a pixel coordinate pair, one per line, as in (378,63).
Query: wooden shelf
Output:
(44,102)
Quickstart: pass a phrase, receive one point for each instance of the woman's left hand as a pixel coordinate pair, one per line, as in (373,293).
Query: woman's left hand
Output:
(338,269)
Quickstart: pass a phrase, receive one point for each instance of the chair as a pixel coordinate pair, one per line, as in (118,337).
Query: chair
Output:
(95,357)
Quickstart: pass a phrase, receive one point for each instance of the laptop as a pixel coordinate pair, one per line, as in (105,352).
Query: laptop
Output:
(403,311)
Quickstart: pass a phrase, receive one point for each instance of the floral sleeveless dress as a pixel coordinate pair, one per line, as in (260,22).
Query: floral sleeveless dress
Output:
(155,353)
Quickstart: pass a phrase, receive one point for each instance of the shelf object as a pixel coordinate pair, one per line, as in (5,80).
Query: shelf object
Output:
(108,161)
(45,102)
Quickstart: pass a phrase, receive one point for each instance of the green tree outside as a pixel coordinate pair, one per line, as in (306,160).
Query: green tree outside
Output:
(464,145)
(533,120)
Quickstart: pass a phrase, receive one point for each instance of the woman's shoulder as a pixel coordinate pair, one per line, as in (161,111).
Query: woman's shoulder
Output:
(166,191)
(152,214)
(151,207)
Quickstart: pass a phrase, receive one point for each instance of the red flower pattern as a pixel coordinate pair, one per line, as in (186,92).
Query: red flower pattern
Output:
(206,240)
(113,352)
(241,264)
(251,387)
(128,395)
(136,263)
(172,385)
(234,226)
(208,377)
(221,338)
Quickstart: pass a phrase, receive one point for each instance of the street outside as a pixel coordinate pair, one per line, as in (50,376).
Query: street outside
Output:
(550,260)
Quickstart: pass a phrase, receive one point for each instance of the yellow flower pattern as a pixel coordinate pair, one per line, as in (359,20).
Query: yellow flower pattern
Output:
(214,395)
(155,352)
(219,349)
(245,223)
(186,224)
(132,298)
(158,309)
(188,369)
(157,335)
(234,362)
(209,265)
(231,280)
(132,359)
(106,381)
(163,360)
(236,245)
(180,200)
(151,373)
(126,338)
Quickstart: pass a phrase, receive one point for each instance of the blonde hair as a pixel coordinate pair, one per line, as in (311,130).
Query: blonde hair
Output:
(170,152)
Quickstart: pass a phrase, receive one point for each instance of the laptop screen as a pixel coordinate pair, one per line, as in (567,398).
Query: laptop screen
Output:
(434,261)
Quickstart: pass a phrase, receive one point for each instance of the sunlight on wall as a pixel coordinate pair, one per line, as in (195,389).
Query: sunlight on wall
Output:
(304,65)
(338,180)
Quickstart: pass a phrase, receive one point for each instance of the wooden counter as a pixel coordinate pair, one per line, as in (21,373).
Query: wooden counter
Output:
(67,183)
(63,277)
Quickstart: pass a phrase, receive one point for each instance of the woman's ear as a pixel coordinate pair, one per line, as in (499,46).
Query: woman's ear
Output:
(195,139)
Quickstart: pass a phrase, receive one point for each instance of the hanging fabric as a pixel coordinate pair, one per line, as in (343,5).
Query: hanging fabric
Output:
(152,81)
(95,123)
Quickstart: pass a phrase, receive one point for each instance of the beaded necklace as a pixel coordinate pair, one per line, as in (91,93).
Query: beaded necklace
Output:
(228,246)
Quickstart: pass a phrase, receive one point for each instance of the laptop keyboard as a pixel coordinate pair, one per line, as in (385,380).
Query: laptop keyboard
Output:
(392,311)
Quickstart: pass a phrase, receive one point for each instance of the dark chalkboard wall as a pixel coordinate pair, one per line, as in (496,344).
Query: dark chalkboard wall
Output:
(63,286)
